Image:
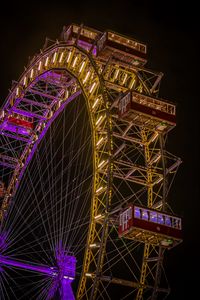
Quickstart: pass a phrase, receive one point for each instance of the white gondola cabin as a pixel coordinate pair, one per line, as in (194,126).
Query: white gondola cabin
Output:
(150,226)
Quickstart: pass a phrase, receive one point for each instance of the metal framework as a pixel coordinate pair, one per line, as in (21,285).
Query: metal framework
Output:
(130,162)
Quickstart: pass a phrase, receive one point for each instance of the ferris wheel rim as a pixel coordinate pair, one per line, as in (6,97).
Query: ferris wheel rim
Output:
(23,85)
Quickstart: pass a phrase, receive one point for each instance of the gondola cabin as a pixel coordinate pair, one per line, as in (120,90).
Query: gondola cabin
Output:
(84,37)
(19,124)
(122,48)
(150,226)
(148,110)
(106,44)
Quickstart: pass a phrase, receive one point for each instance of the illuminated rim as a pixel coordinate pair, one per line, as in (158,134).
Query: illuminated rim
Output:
(80,65)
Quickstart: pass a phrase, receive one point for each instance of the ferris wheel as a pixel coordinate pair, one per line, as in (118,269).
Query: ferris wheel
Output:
(85,175)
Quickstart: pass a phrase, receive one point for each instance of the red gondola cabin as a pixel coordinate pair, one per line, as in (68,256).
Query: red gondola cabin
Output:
(151,226)
(19,124)
(135,106)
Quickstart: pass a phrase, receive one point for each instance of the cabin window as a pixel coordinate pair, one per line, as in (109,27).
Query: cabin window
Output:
(176,223)
(137,212)
(125,220)
(145,214)
(130,213)
(168,221)
(153,216)
(161,219)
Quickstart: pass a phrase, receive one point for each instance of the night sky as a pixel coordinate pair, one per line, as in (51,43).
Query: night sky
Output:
(171,34)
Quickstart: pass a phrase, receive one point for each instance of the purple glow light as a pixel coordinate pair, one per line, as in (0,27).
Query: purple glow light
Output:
(67,268)
(87,46)
(66,290)
(16,137)
(66,264)
(16,129)
(27,266)
(63,275)
(28,113)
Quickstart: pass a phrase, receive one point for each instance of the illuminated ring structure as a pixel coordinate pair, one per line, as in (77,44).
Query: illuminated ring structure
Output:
(90,84)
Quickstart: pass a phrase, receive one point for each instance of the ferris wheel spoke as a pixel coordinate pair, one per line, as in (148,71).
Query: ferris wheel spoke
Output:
(76,226)
(39,288)
(121,254)
(35,221)
(131,293)
(103,291)
(3,287)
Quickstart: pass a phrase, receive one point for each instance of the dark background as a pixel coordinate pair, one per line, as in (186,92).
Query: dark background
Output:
(170,31)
